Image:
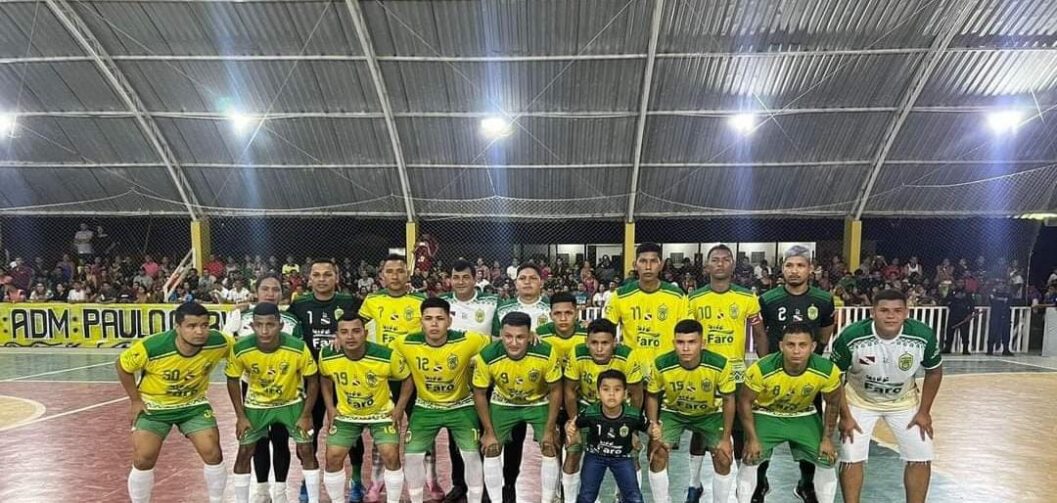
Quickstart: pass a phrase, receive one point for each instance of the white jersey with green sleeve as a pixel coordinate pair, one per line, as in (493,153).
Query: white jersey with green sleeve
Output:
(474,315)
(539,311)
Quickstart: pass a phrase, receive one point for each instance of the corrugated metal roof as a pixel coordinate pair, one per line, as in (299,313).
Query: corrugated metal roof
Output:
(968,189)
(20,20)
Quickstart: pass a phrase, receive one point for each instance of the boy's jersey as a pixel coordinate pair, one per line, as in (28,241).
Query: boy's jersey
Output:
(539,311)
(319,319)
(393,317)
(362,385)
(243,325)
(780,308)
(693,392)
(474,315)
(880,373)
(275,378)
(171,380)
(647,320)
(780,394)
(442,374)
(521,382)
(726,317)
(610,437)
(584,370)
(564,346)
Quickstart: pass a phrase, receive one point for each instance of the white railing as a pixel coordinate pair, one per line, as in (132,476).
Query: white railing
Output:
(935,317)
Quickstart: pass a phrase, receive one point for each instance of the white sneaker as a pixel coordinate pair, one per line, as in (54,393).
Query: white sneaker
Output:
(279,492)
(261,493)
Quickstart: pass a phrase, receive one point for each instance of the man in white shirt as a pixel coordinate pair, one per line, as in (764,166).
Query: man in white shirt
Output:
(82,241)
(77,294)
(511,270)
(238,293)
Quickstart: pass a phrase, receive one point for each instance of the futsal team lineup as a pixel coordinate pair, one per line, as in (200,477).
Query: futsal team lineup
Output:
(363,389)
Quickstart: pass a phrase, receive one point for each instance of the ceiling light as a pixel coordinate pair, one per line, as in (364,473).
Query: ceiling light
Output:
(1005,122)
(240,121)
(496,127)
(743,123)
(8,122)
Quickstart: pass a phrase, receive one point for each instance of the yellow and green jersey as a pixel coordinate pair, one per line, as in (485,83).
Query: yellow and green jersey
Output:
(726,317)
(563,345)
(274,377)
(647,320)
(362,385)
(692,392)
(584,370)
(393,317)
(442,374)
(781,394)
(171,380)
(522,382)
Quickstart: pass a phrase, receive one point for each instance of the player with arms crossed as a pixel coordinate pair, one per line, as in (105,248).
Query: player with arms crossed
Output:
(880,358)
(175,367)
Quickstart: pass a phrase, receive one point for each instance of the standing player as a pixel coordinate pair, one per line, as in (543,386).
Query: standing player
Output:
(318,312)
(529,300)
(796,301)
(691,388)
(175,367)
(564,331)
(275,364)
(358,373)
(880,358)
(240,324)
(528,390)
(647,309)
(725,310)
(395,312)
(589,360)
(471,311)
(440,361)
(776,405)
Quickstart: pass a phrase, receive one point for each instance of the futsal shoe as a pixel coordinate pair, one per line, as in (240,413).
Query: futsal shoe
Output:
(457,494)
(434,492)
(261,493)
(693,494)
(279,492)
(1007,353)
(374,493)
(762,488)
(965,352)
(355,492)
(303,495)
(805,493)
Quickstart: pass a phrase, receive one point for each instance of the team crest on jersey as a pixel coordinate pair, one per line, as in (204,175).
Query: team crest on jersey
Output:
(734,311)
(542,320)
(624,431)
(478,316)
(338,313)
(812,313)
(706,386)
(906,360)
(284,368)
(534,375)
(808,390)
(662,312)
(372,379)
(409,314)
(453,362)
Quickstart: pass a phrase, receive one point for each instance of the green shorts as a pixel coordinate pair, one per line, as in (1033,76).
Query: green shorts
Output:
(188,419)
(803,433)
(673,425)
(506,417)
(262,419)
(462,425)
(346,434)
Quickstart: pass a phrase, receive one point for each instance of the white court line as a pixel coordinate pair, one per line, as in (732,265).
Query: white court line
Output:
(111,362)
(1029,364)
(38,410)
(63,414)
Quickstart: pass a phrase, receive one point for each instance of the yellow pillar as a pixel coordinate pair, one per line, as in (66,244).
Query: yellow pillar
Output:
(629,248)
(200,243)
(411,239)
(852,243)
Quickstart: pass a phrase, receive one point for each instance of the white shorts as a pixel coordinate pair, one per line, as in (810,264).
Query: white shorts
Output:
(911,447)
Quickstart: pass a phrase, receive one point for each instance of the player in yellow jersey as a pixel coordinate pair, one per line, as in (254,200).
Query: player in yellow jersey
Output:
(599,354)
(776,405)
(691,388)
(564,331)
(275,364)
(647,309)
(174,367)
(440,361)
(527,378)
(725,310)
(358,374)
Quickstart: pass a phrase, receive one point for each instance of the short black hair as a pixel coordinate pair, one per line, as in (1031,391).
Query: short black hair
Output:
(612,374)
(528,265)
(602,325)
(689,327)
(799,327)
(517,319)
(435,302)
(560,297)
(189,309)
(719,247)
(395,256)
(889,294)
(461,265)
(647,248)
(352,315)
(266,309)
(323,261)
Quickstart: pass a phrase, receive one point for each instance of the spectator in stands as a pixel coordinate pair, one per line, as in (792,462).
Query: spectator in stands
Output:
(12,293)
(761,270)
(961,311)
(78,293)
(150,267)
(67,266)
(214,268)
(365,281)
(238,293)
(1053,277)
(511,270)
(837,269)
(40,293)
(143,278)
(581,296)
(913,267)
(82,242)
(481,281)
(1016,281)
(21,274)
(1000,302)
(291,266)
(892,270)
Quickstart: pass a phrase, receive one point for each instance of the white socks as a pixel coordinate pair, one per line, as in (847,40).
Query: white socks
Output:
(415,474)
(721,486)
(571,486)
(376,467)
(825,484)
(695,470)
(659,486)
(431,469)
(312,484)
(242,487)
(140,484)
(747,482)
(474,476)
(279,492)
(335,484)
(394,485)
(493,477)
(549,478)
(216,478)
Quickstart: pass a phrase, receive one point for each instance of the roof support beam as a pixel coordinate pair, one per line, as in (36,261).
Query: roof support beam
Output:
(88,42)
(906,104)
(367,46)
(644,103)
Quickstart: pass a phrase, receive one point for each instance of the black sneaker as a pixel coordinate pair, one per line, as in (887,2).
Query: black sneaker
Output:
(806,493)
(965,352)
(762,488)
(457,494)
(1007,353)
